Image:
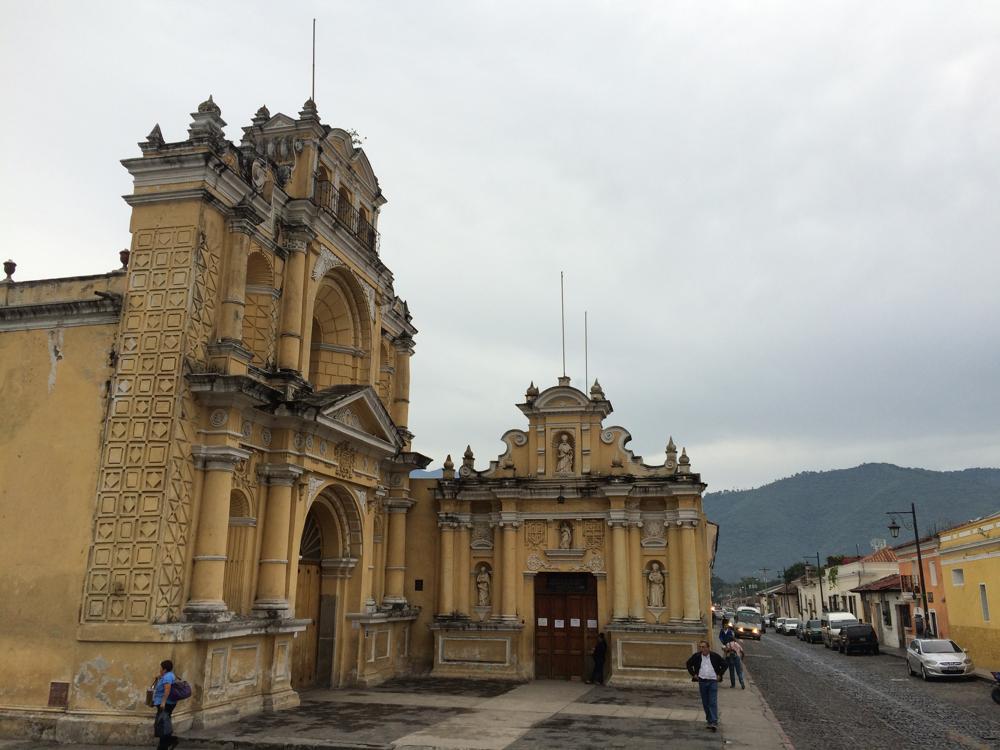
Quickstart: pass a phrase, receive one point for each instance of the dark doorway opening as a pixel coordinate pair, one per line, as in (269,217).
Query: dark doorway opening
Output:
(565,624)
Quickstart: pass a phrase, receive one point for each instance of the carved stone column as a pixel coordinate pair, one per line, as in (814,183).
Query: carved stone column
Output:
(509,582)
(637,582)
(446,574)
(234,283)
(395,563)
(206,598)
(692,611)
(463,570)
(675,574)
(619,598)
(290,341)
(401,382)
(272,598)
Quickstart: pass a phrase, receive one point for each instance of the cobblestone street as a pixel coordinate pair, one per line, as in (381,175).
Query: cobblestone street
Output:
(826,700)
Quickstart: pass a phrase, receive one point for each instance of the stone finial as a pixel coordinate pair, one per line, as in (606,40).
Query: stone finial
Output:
(206,123)
(262,115)
(564,380)
(209,105)
(684,464)
(9,267)
(309,111)
(596,392)
(154,140)
(123,256)
(671,448)
(671,463)
(468,456)
(449,468)
(532,393)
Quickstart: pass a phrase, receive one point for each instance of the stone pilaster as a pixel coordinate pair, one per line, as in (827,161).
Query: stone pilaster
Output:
(395,561)
(206,599)
(692,610)
(272,596)
(637,581)
(463,570)
(446,568)
(290,340)
(508,605)
(675,573)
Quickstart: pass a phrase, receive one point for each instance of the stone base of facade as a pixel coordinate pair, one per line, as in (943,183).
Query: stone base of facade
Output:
(645,654)
(488,649)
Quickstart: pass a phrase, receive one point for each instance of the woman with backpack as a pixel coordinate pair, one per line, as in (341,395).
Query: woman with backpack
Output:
(164,700)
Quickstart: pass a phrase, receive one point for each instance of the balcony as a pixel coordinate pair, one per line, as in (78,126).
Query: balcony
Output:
(346,216)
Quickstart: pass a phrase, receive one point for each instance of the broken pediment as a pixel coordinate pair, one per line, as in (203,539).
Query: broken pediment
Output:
(352,409)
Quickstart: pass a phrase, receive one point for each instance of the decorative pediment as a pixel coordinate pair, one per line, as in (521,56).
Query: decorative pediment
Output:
(361,413)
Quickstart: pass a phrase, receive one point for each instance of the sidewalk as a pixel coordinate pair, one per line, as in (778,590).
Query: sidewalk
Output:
(430,713)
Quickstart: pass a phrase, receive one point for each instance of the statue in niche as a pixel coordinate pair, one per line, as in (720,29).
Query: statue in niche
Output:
(565,535)
(484,585)
(655,585)
(564,455)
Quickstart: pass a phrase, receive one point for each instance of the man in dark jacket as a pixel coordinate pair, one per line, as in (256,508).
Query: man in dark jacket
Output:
(600,651)
(706,668)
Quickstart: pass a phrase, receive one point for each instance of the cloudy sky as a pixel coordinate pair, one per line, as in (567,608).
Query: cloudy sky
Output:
(781,217)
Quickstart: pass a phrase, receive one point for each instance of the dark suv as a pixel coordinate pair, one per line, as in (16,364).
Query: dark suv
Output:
(857,638)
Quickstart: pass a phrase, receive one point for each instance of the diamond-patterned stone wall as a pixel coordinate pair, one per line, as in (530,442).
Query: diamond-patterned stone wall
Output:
(143,512)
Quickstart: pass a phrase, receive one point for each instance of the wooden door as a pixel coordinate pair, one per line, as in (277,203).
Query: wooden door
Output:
(565,624)
(305,646)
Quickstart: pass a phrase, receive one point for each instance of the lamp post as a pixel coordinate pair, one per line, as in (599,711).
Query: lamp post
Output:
(894,530)
(819,576)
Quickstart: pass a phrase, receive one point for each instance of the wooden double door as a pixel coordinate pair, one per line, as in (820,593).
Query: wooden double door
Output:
(565,624)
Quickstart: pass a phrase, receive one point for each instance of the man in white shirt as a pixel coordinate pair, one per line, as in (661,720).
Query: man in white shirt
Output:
(707,667)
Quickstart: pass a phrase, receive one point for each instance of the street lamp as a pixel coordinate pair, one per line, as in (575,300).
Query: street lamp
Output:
(819,576)
(894,530)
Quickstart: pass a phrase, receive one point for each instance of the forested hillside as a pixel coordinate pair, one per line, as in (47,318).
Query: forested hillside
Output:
(837,512)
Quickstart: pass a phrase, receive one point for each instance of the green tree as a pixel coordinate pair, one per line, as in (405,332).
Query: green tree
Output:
(795,571)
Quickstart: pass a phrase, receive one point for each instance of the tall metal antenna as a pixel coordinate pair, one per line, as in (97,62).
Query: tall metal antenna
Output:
(586,359)
(312,93)
(562,312)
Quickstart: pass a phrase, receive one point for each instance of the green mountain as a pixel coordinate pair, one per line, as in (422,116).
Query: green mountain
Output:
(839,512)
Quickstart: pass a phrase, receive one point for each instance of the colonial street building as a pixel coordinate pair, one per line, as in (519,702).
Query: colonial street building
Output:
(206,458)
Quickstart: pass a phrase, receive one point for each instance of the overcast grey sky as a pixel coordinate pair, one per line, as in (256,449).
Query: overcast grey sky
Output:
(782,217)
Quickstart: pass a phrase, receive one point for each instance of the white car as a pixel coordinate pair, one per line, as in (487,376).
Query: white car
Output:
(791,626)
(779,624)
(936,657)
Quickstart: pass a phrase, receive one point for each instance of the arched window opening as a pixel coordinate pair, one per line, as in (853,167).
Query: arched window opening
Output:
(341,336)
(238,581)
(260,316)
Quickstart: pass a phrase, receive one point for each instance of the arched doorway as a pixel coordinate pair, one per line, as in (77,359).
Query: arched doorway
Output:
(326,587)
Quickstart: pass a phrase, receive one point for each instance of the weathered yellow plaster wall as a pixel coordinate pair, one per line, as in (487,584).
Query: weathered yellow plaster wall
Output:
(421,563)
(53,384)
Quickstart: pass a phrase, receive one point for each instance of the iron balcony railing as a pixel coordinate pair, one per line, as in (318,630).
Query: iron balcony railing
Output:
(346,216)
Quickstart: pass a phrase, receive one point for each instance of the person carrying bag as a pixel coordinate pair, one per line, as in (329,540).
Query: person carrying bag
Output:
(163,696)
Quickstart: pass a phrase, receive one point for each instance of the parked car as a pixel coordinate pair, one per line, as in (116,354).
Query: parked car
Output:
(791,626)
(779,625)
(811,632)
(769,619)
(861,637)
(937,657)
(748,625)
(831,623)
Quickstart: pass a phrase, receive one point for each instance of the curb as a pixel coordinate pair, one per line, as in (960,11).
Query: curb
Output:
(244,743)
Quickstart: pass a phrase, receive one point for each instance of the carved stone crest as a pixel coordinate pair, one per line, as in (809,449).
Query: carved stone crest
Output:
(653,533)
(534,533)
(344,455)
(348,417)
(536,562)
(324,263)
(593,533)
(482,536)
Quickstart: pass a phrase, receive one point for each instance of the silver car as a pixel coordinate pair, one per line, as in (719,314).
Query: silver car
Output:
(935,657)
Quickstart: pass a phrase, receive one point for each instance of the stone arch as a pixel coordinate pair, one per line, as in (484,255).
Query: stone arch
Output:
(237,584)
(341,332)
(328,586)
(260,314)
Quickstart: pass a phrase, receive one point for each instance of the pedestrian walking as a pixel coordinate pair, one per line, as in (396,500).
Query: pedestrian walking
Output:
(600,652)
(706,668)
(163,726)
(726,633)
(734,660)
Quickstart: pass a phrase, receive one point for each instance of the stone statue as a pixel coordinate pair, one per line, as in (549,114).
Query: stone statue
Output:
(655,581)
(484,585)
(565,535)
(564,455)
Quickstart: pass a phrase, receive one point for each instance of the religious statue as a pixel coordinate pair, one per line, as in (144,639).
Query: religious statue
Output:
(564,455)
(483,586)
(655,582)
(565,535)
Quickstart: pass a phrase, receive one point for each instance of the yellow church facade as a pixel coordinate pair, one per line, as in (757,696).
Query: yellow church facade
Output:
(207,459)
